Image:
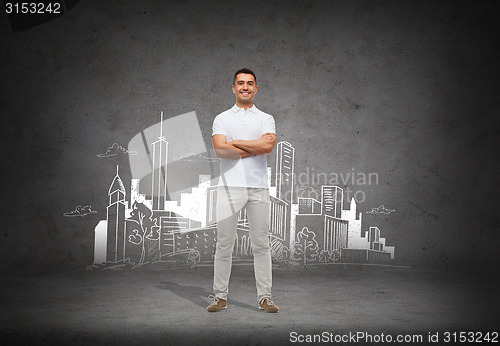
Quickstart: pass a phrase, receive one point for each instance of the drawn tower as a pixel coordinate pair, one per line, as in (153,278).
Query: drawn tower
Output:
(284,182)
(332,200)
(115,244)
(159,173)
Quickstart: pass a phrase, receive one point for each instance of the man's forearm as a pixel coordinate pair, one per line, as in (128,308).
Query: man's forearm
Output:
(256,147)
(231,152)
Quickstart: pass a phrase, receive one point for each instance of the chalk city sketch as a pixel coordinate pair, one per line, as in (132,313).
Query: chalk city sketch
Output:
(145,225)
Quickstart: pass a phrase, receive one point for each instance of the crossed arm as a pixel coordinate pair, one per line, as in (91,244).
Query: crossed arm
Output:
(240,149)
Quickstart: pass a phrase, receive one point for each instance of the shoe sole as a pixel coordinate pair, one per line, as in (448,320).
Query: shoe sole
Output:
(269,312)
(223,308)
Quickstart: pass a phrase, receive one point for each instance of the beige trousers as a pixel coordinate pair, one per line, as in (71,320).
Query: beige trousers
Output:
(230,200)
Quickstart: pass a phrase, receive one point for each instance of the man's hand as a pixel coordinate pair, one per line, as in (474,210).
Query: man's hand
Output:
(268,136)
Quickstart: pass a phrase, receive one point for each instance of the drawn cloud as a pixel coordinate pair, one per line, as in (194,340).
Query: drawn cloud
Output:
(192,157)
(81,211)
(306,188)
(381,210)
(116,149)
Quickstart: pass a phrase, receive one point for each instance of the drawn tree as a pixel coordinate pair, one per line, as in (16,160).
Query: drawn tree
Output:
(194,257)
(146,233)
(329,256)
(334,255)
(306,246)
(324,256)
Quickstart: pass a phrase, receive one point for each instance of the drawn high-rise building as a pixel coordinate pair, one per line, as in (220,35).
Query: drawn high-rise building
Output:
(356,238)
(284,184)
(332,199)
(309,206)
(335,233)
(115,243)
(170,223)
(374,239)
(159,172)
(211,205)
(278,221)
(284,171)
(134,191)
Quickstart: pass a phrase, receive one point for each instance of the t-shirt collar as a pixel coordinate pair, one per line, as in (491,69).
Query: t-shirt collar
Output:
(253,109)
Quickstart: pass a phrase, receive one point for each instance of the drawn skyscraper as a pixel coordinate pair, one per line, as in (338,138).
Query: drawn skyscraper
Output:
(159,172)
(115,244)
(284,171)
(284,183)
(356,239)
(332,199)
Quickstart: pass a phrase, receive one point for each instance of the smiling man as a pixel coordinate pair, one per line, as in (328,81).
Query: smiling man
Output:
(241,137)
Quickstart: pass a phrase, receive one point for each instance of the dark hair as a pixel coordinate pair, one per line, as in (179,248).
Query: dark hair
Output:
(247,71)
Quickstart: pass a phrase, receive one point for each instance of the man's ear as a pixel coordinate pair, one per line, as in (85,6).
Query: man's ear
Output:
(234,92)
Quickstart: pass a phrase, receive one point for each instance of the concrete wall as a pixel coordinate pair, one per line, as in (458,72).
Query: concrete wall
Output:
(405,90)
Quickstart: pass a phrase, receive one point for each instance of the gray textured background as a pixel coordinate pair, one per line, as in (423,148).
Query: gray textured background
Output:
(407,90)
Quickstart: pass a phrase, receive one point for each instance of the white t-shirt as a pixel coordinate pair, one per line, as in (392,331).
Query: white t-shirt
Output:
(236,123)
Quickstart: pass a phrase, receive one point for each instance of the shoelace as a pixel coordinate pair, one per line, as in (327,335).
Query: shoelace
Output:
(267,300)
(214,299)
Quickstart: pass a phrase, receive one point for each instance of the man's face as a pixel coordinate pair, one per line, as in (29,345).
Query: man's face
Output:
(244,88)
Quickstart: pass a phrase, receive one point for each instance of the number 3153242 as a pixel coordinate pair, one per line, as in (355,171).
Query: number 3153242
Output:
(32,7)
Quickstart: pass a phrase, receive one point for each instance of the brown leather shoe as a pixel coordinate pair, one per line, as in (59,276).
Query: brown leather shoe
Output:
(268,305)
(217,305)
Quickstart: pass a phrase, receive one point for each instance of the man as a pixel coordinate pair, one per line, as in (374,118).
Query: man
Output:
(241,137)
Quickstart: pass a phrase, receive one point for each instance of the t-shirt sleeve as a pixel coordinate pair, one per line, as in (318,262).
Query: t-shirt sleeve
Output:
(269,125)
(218,127)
